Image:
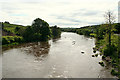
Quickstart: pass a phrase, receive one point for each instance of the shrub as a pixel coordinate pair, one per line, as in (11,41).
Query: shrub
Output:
(56,32)
(103,57)
(114,73)
(109,50)
(101,63)
(11,39)
(96,55)
(4,41)
(94,51)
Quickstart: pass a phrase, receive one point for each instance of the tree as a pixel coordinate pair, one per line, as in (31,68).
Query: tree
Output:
(117,27)
(100,32)
(110,19)
(6,22)
(56,32)
(28,34)
(41,27)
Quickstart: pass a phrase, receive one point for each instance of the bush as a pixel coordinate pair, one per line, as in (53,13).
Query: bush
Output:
(18,39)
(11,39)
(115,65)
(56,32)
(103,57)
(101,63)
(93,35)
(96,55)
(94,51)
(109,50)
(4,41)
(114,73)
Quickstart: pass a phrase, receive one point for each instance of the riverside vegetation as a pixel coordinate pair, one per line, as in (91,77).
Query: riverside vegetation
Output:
(99,32)
(40,30)
(107,41)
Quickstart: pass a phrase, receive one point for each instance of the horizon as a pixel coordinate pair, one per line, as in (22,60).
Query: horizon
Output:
(64,13)
(52,25)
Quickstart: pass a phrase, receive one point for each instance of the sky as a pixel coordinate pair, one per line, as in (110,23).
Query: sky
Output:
(63,13)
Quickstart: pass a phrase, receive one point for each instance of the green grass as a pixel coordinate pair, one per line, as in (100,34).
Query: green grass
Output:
(12,27)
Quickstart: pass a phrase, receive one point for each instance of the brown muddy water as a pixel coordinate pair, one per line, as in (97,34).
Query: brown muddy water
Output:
(60,58)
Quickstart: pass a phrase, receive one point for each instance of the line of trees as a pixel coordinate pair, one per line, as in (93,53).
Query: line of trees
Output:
(38,31)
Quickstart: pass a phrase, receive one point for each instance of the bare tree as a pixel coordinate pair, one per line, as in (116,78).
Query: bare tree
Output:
(110,19)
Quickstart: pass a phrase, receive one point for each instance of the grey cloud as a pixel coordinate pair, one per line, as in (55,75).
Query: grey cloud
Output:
(22,0)
(93,22)
(64,24)
(68,19)
(75,16)
(9,7)
(64,3)
(84,12)
(90,13)
(67,24)
(73,20)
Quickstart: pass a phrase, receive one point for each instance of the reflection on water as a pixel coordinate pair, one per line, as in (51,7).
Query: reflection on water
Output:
(37,48)
(55,39)
(66,57)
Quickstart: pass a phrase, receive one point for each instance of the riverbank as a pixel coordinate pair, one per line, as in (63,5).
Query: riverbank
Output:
(17,44)
(110,53)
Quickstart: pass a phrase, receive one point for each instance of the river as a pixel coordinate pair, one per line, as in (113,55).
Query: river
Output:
(60,58)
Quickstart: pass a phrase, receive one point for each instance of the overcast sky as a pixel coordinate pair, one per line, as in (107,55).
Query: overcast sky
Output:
(63,13)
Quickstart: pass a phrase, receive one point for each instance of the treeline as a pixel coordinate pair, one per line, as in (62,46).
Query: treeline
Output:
(90,30)
(69,29)
(38,31)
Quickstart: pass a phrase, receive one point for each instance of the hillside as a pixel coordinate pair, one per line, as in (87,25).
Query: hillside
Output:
(10,29)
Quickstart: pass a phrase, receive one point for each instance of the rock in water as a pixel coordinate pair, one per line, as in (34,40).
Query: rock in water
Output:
(93,55)
(82,52)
